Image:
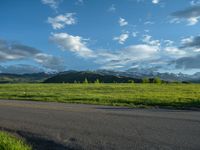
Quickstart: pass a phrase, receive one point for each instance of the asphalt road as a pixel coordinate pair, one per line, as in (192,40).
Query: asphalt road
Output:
(49,126)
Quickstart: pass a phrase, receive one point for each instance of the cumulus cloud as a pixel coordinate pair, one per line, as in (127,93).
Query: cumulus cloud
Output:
(72,43)
(122,22)
(191,42)
(52,3)
(148,40)
(122,38)
(61,21)
(174,52)
(155,1)
(127,56)
(150,53)
(10,51)
(14,51)
(168,42)
(191,15)
(49,61)
(140,51)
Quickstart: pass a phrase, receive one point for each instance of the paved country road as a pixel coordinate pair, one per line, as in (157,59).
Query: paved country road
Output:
(49,126)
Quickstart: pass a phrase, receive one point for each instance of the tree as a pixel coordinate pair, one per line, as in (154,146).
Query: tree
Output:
(97,81)
(85,81)
(145,80)
(157,80)
(131,81)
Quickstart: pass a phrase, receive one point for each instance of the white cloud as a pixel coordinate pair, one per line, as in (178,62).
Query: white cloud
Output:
(174,52)
(134,34)
(72,43)
(118,59)
(148,23)
(52,3)
(191,43)
(112,67)
(191,15)
(168,42)
(175,20)
(61,21)
(49,61)
(15,52)
(122,22)
(190,21)
(122,38)
(155,1)
(112,8)
(148,40)
(127,56)
(193,20)
(150,53)
(140,51)
(187,40)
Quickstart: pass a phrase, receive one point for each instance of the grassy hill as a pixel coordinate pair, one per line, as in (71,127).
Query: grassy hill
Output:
(91,77)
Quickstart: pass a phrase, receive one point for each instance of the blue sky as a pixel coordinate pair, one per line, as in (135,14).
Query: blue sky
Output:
(58,35)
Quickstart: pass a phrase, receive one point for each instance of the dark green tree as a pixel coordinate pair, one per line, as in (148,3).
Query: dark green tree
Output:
(97,81)
(131,81)
(85,81)
(145,80)
(157,80)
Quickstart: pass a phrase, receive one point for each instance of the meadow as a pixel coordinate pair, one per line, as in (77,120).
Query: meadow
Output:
(129,94)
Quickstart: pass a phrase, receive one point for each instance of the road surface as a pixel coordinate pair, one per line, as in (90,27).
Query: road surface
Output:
(49,126)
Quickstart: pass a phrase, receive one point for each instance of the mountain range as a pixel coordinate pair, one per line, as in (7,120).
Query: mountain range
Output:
(106,76)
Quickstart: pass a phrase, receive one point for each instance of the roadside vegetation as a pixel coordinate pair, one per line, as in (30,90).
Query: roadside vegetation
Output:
(129,94)
(9,142)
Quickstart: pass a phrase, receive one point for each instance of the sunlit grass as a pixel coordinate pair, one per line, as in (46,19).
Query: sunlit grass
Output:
(9,142)
(133,95)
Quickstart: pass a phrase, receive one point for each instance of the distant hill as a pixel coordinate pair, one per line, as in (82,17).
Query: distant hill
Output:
(106,76)
(79,77)
(24,78)
(142,73)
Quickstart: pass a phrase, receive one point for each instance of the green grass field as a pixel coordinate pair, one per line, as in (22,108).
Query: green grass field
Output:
(133,95)
(9,142)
